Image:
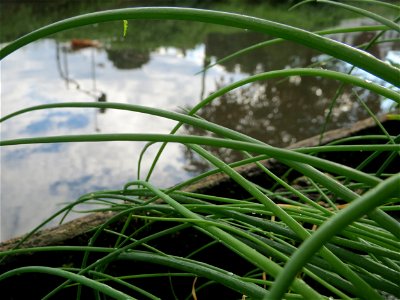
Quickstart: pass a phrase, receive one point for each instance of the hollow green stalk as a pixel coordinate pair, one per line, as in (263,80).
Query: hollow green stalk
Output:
(370,200)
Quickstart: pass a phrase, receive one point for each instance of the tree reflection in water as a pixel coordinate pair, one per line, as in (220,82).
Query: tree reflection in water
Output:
(128,58)
(276,112)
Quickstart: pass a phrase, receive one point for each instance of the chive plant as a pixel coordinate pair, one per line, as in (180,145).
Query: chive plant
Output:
(336,238)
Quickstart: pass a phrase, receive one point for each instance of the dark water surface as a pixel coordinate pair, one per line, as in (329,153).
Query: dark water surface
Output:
(155,65)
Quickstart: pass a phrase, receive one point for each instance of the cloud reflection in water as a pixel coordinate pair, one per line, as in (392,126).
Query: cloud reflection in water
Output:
(36,179)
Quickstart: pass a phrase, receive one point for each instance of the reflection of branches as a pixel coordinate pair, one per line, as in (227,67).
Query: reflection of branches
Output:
(97,95)
(65,76)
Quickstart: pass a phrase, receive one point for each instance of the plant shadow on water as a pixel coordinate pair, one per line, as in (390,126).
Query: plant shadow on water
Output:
(99,81)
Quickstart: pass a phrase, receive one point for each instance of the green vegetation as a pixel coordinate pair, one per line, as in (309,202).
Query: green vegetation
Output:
(335,238)
(168,32)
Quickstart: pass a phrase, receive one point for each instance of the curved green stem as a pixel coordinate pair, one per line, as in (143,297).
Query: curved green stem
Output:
(277,41)
(98,286)
(283,154)
(336,49)
(365,13)
(231,242)
(366,203)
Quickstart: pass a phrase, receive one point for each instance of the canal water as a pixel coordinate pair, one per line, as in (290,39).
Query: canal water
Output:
(155,65)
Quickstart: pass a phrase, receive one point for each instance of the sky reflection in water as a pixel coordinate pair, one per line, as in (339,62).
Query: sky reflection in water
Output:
(37,179)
